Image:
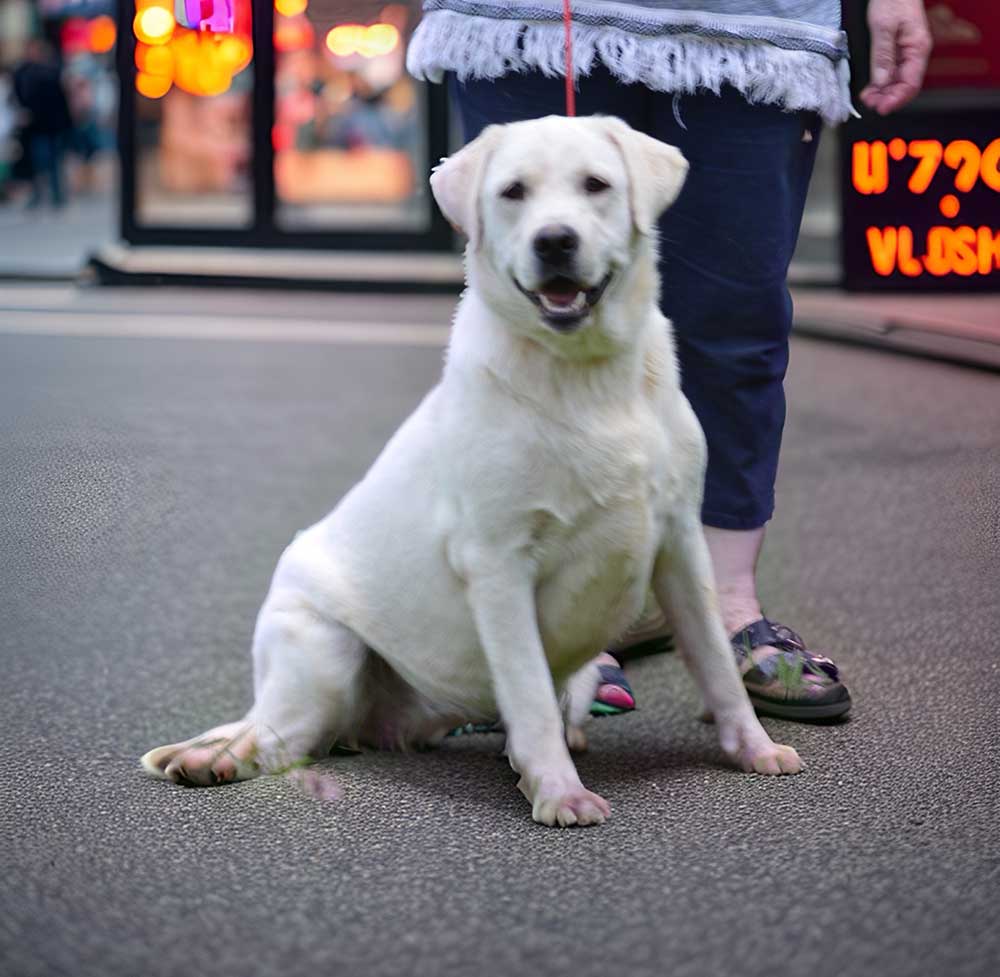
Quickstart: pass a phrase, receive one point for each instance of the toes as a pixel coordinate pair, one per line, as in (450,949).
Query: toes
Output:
(180,771)
(766,763)
(155,762)
(579,808)
(225,768)
(206,761)
(776,761)
(565,817)
(181,764)
(595,811)
(789,760)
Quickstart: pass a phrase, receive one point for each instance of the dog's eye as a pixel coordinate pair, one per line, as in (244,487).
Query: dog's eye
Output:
(513,192)
(594,184)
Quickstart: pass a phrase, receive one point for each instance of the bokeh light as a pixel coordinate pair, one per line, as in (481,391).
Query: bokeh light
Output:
(234,52)
(343,39)
(152,86)
(102,34)
(378,39)
(154,25)
(370,42)
(289,8)
(159,61)
(293,34)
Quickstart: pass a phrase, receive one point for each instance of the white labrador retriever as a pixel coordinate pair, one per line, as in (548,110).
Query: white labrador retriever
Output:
(512,526)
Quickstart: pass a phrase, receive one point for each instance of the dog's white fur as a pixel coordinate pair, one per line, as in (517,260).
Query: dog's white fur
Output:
(512,526)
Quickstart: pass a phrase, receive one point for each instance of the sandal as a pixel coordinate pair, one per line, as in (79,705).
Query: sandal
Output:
(616,704)
(791,682)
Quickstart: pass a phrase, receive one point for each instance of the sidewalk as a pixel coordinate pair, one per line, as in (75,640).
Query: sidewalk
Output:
(161,449)
(961,328)
(46,243)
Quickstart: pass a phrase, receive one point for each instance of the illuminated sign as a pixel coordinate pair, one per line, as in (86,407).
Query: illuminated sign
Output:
(921,201)
(200,60)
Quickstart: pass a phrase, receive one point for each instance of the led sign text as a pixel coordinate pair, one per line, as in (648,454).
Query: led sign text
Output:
(970,248)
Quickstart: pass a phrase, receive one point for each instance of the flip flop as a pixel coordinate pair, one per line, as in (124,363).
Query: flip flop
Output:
(613,675)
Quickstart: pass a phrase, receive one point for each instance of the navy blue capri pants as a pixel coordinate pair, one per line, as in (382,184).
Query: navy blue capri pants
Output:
(725,247)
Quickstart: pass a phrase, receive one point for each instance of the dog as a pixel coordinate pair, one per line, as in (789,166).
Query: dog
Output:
(514,524)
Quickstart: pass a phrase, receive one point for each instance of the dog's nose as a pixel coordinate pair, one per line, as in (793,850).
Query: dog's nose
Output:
(555,244)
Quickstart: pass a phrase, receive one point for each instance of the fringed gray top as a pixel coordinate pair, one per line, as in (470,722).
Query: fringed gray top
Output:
(791,53)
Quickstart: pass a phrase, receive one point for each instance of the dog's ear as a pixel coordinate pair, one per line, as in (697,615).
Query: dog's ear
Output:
(656,172)
(456,180)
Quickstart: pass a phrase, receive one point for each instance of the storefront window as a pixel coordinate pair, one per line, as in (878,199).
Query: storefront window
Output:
(194,87)
(350,124)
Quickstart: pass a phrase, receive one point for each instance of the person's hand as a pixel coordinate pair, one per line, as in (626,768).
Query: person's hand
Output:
(901,43)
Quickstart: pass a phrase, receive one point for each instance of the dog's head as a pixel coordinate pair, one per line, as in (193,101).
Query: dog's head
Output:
(559,213)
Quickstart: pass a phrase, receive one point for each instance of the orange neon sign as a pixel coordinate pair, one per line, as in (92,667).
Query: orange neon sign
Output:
(870,163)
(971,248)
(950,251)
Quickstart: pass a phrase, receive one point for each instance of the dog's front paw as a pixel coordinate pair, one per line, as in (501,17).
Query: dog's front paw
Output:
(565,804)
(750,746)
(773,759)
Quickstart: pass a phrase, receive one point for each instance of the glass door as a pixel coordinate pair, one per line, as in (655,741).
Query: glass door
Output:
(192,89)
(350,132)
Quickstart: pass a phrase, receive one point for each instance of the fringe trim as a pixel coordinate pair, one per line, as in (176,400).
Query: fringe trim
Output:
(479,47)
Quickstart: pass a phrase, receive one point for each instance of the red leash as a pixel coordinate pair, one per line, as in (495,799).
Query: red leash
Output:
(570,91)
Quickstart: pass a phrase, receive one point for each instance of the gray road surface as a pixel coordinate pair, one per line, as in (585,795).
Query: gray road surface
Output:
(147,486)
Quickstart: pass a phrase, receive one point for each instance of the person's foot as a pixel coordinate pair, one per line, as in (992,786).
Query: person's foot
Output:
(782,676)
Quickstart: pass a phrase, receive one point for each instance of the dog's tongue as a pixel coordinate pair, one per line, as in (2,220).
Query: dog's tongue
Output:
(560,294)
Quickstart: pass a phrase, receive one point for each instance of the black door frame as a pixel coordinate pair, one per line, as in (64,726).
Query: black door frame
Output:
(264,231)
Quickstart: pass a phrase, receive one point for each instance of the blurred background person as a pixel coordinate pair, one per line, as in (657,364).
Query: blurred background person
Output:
(38,89)
(8,132)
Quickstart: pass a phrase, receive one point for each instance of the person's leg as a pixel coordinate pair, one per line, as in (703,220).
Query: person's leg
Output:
(38,150)
(56,152)
(734,558)
(725,249)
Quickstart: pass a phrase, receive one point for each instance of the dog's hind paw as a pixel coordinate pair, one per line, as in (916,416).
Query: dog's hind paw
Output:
(220,756)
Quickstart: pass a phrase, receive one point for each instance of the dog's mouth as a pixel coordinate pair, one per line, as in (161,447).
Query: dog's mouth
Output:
(565,302)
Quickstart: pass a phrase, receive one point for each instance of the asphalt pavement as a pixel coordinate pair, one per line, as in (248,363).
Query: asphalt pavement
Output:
(157,451)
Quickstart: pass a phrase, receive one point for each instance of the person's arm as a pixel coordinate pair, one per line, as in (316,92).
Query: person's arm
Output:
(901,44)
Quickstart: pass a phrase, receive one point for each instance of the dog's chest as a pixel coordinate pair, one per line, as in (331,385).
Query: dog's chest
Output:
(595,542)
